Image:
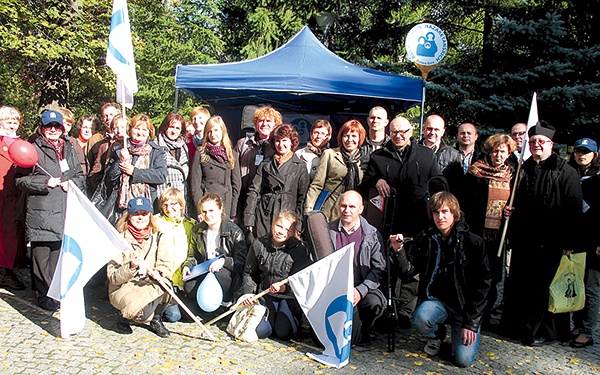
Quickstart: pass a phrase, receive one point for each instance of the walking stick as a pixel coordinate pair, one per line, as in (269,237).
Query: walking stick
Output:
(238,305)
(168,289)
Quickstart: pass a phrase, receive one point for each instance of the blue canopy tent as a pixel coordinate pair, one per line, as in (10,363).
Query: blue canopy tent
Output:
(301,76)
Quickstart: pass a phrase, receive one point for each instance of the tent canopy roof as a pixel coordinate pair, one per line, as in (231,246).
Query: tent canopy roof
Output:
(301,76)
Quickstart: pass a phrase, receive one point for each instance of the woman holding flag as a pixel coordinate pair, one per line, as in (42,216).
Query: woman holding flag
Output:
(133,276)
(271,259)
(46,187)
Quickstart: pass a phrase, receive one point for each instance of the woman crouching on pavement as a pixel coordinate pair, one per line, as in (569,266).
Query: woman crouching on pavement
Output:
(133,288)
(271,259)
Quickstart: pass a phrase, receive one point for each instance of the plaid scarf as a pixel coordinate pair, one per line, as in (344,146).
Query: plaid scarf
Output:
(58,146)
(127,190)
(178,167)
(498,189)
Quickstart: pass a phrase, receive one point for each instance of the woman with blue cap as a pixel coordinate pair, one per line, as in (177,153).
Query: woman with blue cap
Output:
(585,160)
(133,276)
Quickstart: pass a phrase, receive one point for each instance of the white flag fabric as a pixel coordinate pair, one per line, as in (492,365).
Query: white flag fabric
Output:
(119,55)
(325,291)
(533,119)
(89,242)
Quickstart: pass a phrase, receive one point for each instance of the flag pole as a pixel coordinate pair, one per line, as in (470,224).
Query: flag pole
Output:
(238,305)
(510,203)
(170,291)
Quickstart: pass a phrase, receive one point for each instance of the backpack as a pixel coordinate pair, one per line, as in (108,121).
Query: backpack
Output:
(316,235)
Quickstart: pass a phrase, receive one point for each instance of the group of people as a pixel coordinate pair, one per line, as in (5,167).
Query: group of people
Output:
(185,194)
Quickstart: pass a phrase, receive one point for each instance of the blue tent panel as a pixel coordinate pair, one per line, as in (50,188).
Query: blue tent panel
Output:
(301,76)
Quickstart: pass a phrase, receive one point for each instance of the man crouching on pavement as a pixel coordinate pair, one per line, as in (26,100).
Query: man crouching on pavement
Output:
(455,279)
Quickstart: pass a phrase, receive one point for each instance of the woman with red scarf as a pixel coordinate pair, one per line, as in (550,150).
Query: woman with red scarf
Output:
(138,169)
(214,168)
(488,185)
(46,187)
(133,287)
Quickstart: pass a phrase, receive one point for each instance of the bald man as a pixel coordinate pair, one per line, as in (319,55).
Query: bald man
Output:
(467,144)
(369,263)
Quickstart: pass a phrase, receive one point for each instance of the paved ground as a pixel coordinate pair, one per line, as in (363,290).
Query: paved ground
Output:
(30,343)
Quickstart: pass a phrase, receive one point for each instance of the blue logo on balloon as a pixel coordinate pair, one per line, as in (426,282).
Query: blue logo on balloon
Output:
(69,245)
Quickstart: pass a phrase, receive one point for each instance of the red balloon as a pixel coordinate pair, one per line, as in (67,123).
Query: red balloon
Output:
(23,153)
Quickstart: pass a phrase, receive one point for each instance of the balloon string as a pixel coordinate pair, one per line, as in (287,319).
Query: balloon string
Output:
(43,170)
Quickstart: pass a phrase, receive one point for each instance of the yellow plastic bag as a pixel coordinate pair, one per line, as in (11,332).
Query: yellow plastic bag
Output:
(567,291)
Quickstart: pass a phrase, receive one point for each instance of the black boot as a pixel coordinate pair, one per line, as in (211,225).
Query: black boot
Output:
(122,326)
(156,324)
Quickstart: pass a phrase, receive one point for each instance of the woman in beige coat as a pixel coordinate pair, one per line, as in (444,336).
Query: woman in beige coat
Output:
(133,286)
(339,170)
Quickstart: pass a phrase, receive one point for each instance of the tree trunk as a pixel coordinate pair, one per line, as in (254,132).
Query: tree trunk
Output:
(55,89)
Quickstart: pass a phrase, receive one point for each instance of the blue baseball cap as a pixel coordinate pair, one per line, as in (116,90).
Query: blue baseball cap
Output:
(49,116)
(139,204)
(587,143)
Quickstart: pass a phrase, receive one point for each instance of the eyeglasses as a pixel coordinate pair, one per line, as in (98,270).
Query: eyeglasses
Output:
(514,134)
(541,142)
(402,132)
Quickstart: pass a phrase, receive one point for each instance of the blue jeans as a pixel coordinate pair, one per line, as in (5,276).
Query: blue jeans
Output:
(586,320)
(172,314)
(428,319)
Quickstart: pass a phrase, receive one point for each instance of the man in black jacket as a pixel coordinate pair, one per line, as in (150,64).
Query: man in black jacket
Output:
(408,167)
(544,226)
(455,279)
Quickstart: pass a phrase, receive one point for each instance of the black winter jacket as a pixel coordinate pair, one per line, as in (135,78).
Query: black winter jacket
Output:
(46,207)
(266,265)
(275,189)
(232,244)
(472,276)
(409,177)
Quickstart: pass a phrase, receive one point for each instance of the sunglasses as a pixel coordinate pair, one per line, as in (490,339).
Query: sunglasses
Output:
(53,125)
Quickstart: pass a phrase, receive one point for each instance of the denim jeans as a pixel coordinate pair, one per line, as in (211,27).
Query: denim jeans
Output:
(427,319)
(585,320)
(172,314)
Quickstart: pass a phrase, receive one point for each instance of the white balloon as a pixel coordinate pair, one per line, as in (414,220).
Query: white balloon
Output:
(210,293)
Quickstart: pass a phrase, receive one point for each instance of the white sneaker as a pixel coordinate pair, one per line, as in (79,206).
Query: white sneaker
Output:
(433,346)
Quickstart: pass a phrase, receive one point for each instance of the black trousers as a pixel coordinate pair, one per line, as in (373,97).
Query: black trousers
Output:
(44,258)
(366,312)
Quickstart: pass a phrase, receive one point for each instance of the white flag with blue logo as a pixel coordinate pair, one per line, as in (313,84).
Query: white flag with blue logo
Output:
(325,291)
(119,56)
(89,242)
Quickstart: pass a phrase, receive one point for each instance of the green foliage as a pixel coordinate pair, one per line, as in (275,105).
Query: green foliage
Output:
(499,52)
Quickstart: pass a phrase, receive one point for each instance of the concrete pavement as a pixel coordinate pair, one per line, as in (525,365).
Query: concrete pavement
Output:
(30,343)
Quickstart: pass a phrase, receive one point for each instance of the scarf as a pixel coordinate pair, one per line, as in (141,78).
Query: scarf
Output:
(352,178)
(498,191)
(57,145)
(170,144)
(280,159)
(139,234)
(197,140)
(217,152)
(316,150)
(127,190)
